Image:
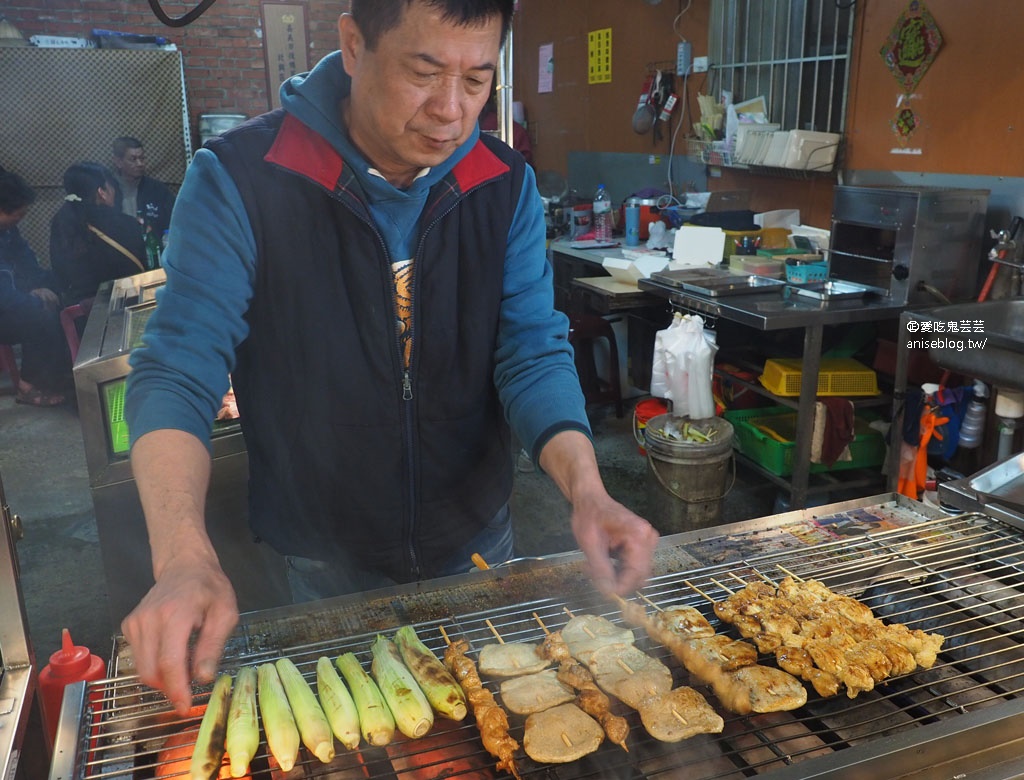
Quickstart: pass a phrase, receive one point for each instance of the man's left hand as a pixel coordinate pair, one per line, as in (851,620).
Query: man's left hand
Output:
(619,544)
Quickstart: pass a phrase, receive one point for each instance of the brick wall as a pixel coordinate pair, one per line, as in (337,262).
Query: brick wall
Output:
(225,67)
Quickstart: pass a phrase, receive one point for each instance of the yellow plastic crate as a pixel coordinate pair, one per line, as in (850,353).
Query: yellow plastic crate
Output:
(837,376)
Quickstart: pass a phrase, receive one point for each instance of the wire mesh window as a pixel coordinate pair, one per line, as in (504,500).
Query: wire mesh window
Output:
(794,53)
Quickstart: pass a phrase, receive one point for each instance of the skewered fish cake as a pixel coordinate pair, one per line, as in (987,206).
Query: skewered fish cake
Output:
(531,693)
(561,734)
(679,714)
(629,674)
(584,634)
(510,659)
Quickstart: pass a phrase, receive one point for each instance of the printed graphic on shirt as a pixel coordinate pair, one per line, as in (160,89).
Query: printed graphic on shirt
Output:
(402,271)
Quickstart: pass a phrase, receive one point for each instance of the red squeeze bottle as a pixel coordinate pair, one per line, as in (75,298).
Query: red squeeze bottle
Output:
(72,663)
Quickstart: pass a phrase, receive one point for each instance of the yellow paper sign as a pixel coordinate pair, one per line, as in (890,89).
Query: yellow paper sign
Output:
(599,56)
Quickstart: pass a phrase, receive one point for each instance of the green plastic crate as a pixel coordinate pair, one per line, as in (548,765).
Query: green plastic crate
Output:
(867,447)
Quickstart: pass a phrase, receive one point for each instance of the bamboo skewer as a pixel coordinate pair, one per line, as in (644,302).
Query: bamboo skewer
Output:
(723,587)
(494,631)
(540,623)
(444,635)
(789,573)
(705,595)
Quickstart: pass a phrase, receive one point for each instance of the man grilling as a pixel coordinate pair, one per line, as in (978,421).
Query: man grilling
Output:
(371,272)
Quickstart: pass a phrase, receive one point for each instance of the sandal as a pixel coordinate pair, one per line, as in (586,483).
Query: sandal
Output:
(36,397)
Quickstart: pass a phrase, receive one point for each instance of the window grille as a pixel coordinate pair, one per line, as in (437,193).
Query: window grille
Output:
(794,53)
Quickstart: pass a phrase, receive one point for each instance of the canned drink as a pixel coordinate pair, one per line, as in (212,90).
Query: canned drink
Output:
(581,219)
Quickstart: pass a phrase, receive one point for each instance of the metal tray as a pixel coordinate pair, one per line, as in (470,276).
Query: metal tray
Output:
(734,285)
(682,276)
(1002,484)
(831,290)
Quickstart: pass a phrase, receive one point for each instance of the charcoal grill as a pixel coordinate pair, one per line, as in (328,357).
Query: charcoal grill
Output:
(961,576)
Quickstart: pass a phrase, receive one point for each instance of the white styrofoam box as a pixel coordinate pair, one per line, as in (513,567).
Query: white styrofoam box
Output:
(809,150)
(621,269)
(697,246)
(775,157)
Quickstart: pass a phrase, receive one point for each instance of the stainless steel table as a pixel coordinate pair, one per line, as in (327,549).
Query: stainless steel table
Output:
(771,311)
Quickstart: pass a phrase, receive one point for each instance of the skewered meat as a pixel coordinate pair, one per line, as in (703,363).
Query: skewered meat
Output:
(679,714)
(491,719)
(531,693)
(589,698)
(629,674)
(728,653)
(767,689)
(561,734)
(704,660)
(584,634)
(826,638)
(511,659)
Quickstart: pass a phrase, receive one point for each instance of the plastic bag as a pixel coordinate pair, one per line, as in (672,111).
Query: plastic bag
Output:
(682,367)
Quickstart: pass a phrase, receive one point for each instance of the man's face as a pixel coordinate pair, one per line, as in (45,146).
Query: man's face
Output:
(9,219)
(132,166)
(417,96)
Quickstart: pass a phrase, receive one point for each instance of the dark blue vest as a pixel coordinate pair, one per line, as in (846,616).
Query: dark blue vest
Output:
(345,449)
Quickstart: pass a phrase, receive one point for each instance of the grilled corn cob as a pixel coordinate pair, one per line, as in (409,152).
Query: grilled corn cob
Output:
(440,688)
(337,702)
(412,712)
(375,719)
(209,747)
(243,730)
(278,721)
(309,716)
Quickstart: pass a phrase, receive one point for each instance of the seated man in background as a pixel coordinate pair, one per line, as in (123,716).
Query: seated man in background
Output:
(28,304)
(91,242)
(139,196)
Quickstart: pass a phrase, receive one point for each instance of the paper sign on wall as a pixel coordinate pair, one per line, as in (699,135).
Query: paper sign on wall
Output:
(285,45)
(546,67)
(599,56)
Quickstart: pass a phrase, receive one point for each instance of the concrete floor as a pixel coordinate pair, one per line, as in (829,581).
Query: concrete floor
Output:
(42,463)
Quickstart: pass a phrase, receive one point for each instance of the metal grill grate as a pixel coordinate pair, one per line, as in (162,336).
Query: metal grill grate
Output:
(962,577)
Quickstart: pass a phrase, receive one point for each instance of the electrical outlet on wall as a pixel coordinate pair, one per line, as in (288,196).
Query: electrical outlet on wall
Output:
(684,55)
(700,64)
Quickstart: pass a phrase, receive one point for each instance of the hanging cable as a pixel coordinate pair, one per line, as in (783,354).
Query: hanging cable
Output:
(180,21)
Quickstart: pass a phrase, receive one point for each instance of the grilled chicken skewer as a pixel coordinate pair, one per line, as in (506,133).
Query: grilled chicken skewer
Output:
(741,687)
(491,719)
(589,698)
(828,639)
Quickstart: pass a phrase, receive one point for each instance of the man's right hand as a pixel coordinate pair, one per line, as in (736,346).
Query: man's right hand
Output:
(188,597)
(192,595)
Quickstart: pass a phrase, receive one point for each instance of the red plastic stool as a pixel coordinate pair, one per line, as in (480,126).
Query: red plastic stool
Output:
(9,364)
(584,332)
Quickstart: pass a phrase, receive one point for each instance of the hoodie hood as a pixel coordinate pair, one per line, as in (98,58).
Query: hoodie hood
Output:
(314,99)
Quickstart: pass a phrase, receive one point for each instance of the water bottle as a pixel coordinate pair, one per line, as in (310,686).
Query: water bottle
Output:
(602,215)
(632,224)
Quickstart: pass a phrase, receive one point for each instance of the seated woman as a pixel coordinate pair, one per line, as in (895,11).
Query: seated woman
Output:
(29,304)
(90,241)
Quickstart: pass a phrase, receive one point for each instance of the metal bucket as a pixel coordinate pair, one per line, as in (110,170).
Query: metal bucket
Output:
(686,481)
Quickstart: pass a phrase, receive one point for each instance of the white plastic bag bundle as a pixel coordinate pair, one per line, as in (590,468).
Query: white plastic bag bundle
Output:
(682,369)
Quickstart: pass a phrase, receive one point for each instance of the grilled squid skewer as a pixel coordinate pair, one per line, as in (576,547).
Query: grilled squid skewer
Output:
(491,719)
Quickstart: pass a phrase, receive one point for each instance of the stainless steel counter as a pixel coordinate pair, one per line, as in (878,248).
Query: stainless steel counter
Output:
(776,310)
